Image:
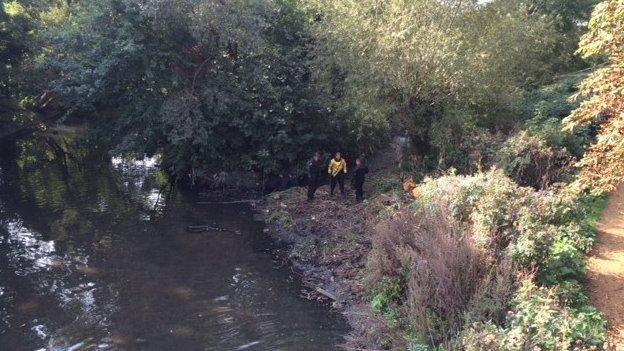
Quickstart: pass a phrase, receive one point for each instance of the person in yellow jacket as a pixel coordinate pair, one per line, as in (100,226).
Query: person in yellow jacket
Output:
(337,170)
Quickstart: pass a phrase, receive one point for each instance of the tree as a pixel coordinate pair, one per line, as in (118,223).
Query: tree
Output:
(14,26)
(213,86)
(602,167)
(434,68)
(17,22)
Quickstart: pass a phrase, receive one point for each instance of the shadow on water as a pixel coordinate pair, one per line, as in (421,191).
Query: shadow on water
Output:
(94,255)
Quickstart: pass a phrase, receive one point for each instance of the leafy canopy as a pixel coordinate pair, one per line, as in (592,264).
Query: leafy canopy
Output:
(602,167)
(214,86)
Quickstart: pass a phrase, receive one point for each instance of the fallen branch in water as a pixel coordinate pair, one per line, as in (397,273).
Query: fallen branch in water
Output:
(326,293)
(202,228)
(227,202)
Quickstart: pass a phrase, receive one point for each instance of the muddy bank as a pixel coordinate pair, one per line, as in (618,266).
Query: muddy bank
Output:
(328,241)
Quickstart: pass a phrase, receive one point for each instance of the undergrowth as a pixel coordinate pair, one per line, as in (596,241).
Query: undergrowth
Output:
(480,263)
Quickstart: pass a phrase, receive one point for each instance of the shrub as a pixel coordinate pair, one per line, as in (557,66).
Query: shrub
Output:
(564,261)
(483,336)
(530,161)
(555,233)
(446,269)
(549,130)
(281,218)
(539,321)
(492,299)
(444,275)
(572,293)
(490,202)
(456,194)
(551,101)
(460,248)
(547,106)
(390,293)
(384,185)
(496,212)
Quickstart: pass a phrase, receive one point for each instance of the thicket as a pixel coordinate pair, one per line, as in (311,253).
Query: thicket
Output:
(256,86)
(481,263)
(211,86)
(492,261)
(443,73)
(540,153)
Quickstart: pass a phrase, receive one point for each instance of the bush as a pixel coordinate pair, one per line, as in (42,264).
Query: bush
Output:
(552,100)
(456,194)
(492,299)
(490,202)
(539,320)
(460,248)
(549,130)
(482,337)
(555,233)
(546,107)
(389,291)
(281,218)
(446,270)
(564,261)
(443,271)
(542,153)
(384,185)
(531,161)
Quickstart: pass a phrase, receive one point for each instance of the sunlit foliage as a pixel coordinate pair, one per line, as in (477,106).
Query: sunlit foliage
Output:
(213,86)
(435,68)
(602,167)
(256,85)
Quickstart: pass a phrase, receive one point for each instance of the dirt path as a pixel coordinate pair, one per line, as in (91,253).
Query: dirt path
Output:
(606,268)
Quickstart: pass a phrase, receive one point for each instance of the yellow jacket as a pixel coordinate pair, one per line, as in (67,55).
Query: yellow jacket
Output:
(336,167)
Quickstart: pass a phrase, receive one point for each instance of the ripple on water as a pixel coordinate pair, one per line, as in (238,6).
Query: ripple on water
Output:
(105,263)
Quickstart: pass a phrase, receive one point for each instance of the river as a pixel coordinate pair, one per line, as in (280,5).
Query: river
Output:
(94,255)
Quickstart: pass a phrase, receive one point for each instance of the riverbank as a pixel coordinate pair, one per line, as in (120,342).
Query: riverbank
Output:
(498,265)
(328,241)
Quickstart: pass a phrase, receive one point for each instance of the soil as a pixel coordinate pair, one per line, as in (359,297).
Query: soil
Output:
(606,269)
(327,241)
(324,238)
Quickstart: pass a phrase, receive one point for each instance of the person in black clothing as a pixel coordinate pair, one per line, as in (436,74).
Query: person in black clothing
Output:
(314,175)
(358,179)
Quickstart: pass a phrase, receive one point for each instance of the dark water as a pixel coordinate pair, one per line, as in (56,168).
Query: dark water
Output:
(94,255)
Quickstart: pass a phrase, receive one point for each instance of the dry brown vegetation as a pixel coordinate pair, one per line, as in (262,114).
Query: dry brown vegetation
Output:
(446,276)
(473,262)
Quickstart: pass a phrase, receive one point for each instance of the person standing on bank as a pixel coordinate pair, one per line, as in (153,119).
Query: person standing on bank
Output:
(314,175)
(358,179)
(337,169)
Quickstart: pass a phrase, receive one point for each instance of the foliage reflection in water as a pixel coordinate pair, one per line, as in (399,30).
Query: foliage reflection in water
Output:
(94,255)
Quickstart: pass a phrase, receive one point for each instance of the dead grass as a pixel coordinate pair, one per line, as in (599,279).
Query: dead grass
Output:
(447,278)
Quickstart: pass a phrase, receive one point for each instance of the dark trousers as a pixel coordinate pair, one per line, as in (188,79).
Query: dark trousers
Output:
(312,186)
(359,191)
(339,178)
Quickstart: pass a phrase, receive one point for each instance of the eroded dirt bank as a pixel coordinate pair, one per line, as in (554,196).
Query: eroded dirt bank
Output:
(328,241)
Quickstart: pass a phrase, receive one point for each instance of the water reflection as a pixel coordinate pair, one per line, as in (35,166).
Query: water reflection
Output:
(94,255)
